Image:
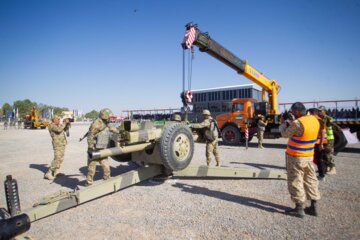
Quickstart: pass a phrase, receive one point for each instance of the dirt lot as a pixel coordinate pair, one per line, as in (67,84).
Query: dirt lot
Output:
(181,208)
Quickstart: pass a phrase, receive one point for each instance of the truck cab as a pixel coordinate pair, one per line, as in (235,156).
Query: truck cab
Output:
(234,123)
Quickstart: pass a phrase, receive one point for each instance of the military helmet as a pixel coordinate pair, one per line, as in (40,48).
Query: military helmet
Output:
(105,114)
(176,117)
(206,112)
(322,108)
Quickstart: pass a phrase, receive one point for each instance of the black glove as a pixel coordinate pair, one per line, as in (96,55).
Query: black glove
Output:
(89,152)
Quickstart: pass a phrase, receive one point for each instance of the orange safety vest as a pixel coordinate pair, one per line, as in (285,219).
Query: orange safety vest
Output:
(323,131)
(325,141)
(303,146)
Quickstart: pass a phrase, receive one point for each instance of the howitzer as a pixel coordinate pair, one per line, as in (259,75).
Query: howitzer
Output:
(170,145)
(160,150)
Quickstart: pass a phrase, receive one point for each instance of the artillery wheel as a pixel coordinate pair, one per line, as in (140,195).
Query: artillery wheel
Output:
(230,135)
(176,147)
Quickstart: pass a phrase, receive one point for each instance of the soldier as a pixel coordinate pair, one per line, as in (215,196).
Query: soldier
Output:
(302,182)
(211,136)
(57,133)
(98,138)
(261,129)
(329,148)
(319,145)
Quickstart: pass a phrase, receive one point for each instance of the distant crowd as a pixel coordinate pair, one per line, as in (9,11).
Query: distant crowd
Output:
(344,113)
(158,116)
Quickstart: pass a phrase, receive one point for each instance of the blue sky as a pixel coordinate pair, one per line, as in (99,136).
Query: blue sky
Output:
(87,54)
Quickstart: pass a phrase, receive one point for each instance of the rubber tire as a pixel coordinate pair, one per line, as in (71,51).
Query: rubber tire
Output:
(174,135)
(233,131)
(339,142)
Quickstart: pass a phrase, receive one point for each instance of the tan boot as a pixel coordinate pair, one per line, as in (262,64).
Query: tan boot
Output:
(49,175)
(57,173)
(332,171)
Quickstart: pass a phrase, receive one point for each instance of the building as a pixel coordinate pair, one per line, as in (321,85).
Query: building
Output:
(218,100)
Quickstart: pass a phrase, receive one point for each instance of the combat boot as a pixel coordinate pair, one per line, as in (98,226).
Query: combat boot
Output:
(332,171)
(58,174)
(298,211)
(49,175)
(312,210)
(218,162)
(87,184)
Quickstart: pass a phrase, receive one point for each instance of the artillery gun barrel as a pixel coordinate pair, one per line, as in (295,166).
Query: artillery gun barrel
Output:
(108,152)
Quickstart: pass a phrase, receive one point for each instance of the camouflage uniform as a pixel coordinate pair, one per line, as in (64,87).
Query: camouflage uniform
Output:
(211,146)
(96,127)
(58,137)
(302,180)
(329,148)
(261,129)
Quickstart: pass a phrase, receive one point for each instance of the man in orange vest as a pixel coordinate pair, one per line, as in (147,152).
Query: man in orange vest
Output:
(302,181)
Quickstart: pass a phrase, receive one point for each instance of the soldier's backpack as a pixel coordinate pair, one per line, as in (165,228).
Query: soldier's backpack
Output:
(212,132)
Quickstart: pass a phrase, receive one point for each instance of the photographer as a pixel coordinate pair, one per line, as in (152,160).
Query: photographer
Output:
(302,182)
(57,133)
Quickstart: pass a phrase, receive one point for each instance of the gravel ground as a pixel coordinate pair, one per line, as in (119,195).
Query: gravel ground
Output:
(181,208)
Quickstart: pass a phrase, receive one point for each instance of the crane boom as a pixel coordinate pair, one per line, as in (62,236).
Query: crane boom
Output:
(203,41)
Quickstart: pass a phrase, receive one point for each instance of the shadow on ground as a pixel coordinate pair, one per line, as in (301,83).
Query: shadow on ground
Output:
(114,171)
(41,167)
(247,201)
(255,145)
(350,150)
(260,166)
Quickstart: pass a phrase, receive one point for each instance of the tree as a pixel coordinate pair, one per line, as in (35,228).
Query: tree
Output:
(24,107)
(58,110)
(93,114)
(6,109)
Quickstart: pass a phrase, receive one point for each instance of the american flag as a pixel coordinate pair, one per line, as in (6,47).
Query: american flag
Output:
(190,37)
